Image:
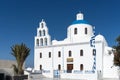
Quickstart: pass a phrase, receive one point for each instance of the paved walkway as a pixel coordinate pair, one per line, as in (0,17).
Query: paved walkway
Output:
(110,79)
(66,79)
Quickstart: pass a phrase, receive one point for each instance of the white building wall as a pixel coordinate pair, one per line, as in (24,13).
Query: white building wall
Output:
(99,55)
(109,67)
(57,60)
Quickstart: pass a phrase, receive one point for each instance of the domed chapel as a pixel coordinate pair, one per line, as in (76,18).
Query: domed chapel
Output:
(81,55)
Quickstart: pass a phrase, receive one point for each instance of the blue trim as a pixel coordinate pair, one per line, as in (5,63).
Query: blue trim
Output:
(80,22)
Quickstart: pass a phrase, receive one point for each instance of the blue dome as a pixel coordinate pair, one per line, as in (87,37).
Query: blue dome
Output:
(80,22)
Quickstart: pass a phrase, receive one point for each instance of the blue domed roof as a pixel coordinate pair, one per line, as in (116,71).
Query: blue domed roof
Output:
(80,22)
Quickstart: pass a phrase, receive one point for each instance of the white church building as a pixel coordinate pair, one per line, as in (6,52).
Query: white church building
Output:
(82,55)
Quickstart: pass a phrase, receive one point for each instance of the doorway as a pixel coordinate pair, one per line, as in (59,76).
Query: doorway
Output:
(69,68)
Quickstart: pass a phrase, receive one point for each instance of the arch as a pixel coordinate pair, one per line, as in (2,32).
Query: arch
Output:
(59,54)
(37,42)
(40,55)
(81,67)
(42,25)
(41,42)
(40,67)
(86,31)
(81,52)
(45,41)
(75,31)
(44,33)
(49,54)
(59,67)
(40,33)
(70,53)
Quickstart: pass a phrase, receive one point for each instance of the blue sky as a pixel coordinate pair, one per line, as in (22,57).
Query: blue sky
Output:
(19,20)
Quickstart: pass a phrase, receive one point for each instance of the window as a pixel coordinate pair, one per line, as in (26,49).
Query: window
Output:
(59,54)
(37,42)
(49,54)
(40,67)
(94,52)
(85,30)
(41,42)
(81,52)
(81,67)
(75,31)
(40,55)
(42,25)
(70,53)
(45,41)
(43,32)
(59,67)
(40,33)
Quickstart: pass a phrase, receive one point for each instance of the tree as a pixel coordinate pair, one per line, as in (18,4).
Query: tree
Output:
(116,52)
(20,52)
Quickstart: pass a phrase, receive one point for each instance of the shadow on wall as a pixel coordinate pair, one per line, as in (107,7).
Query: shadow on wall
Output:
(22,77)
(3,77)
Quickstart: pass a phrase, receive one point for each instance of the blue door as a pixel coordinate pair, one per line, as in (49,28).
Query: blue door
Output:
(56,74)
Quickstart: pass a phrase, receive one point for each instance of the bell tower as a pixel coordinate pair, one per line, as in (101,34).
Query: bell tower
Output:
(42,38)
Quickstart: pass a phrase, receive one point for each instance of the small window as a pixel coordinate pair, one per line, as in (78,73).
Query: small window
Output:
(81,52)
(40,67)
(49,54)
(41,42)
(45,41)
(59,54)
(70,53)
(40,33)
(75,31)
(37,42)
(85,30)
(43,32)
(94,52)
(59,67)
(40,55)
(81,67)
(42,25)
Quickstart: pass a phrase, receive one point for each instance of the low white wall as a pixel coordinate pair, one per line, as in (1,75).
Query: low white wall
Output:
(79,76)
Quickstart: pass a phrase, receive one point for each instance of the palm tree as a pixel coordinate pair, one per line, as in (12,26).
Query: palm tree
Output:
(20,52)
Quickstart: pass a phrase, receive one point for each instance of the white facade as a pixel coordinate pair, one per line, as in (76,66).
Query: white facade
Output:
(81,55)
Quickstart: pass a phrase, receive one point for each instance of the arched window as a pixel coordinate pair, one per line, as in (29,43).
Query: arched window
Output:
(37,42)
(59,54)
(81,52)
(41,42)
(43,32)
(40,33)
(40,67)
(70,53)
(42,25)
(81,67)
(59,67)
(75,31)
(49,54)
(45,41)
(85,30)
(40,55)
